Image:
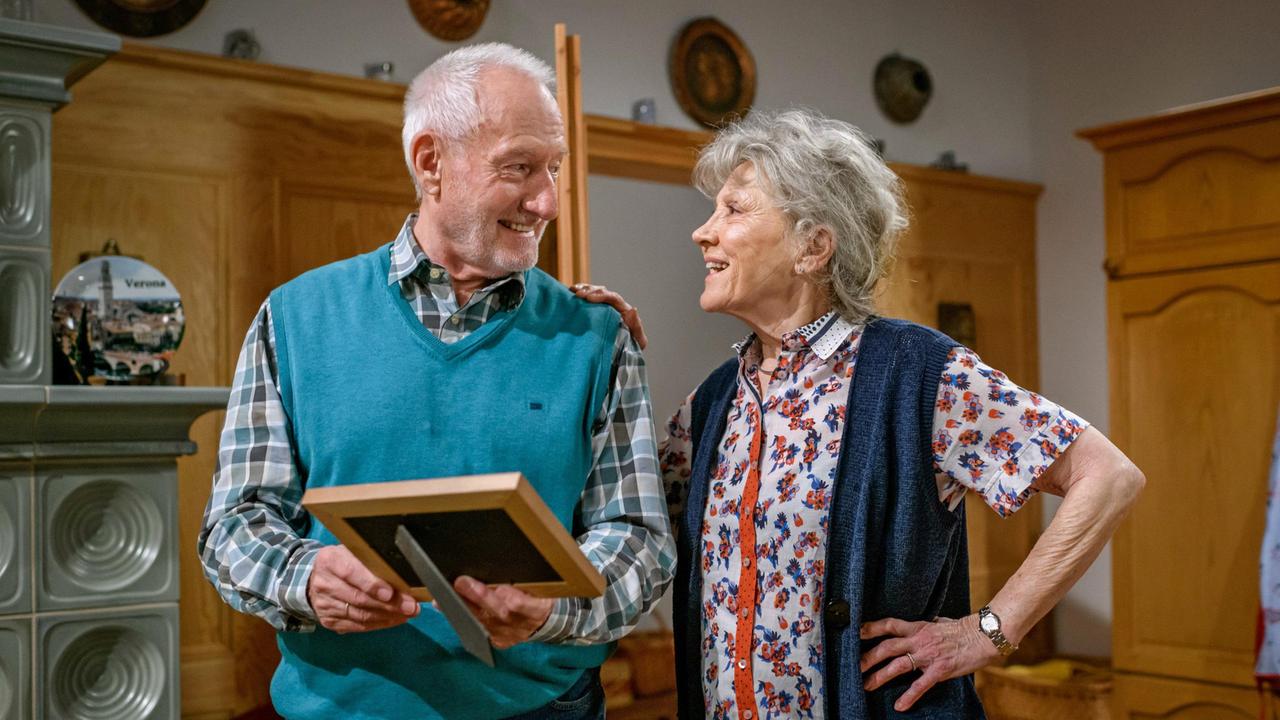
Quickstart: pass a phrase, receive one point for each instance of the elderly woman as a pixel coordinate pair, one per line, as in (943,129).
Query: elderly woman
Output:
(815,479)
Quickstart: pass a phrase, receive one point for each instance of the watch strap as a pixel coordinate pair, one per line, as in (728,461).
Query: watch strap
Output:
(996,636)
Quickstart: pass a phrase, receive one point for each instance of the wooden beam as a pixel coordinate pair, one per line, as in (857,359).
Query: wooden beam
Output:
(623,148)
(572,238)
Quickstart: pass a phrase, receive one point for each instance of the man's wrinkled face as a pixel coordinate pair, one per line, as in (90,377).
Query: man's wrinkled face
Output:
(498,186)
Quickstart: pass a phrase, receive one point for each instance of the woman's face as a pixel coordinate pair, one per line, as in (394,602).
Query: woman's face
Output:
(749,254)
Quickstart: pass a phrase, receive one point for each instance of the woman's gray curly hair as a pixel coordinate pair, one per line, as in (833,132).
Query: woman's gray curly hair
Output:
(822,173)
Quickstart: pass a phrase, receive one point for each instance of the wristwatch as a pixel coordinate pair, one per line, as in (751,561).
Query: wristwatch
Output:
(989,623)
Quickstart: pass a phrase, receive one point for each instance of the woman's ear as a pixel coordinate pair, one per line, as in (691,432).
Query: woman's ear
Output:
(427,162)
(816,251)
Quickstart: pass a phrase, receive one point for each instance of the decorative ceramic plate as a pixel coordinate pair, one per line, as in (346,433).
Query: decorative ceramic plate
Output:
(451,20)
(712,72)
(141,18)
(117,318)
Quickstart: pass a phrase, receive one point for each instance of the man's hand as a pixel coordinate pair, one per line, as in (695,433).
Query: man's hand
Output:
(938,650)
(346,597)
(630,316)
(510,615)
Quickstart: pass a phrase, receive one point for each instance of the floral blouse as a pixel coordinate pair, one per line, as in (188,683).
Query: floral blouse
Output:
(764,529)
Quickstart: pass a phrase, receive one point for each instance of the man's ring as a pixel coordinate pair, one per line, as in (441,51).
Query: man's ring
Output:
(914,667)
(346,612)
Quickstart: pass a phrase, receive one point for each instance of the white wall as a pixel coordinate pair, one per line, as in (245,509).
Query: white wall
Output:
(820,53)
(640,246)
(1096,62)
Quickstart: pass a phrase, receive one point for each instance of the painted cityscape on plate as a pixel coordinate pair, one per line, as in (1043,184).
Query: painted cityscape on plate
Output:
(116,318)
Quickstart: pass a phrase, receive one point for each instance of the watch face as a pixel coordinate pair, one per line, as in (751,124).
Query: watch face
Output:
(989,623)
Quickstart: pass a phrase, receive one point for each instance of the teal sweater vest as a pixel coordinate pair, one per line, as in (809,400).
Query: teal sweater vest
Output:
(371,395)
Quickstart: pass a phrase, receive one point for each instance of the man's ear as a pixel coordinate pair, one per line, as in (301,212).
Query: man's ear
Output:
(427,162)
(816,251)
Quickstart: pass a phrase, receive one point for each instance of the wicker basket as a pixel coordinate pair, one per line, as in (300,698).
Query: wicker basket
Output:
(615,676)
(1062,689)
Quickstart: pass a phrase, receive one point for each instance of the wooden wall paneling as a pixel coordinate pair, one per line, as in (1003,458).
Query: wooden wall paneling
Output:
(256,257)
(1137,697)
(1195,385)
(319,225)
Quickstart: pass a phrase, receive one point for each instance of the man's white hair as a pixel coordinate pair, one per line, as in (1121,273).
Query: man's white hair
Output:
(442,98)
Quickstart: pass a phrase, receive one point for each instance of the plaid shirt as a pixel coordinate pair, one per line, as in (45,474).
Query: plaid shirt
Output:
(251,543)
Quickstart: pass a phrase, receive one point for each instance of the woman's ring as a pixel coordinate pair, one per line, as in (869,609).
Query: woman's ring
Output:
(914,667)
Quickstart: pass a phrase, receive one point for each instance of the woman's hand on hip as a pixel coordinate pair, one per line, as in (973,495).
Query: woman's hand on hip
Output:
(630,316)
(938,651)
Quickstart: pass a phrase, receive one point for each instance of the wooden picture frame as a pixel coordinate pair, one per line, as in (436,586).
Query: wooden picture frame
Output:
(495,528)
(712,73)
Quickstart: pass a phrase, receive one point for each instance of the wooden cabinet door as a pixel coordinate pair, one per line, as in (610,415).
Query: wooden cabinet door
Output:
(1146,698)
(1195,377)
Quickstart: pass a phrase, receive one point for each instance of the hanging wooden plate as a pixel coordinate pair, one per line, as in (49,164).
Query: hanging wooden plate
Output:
(451,20)
(712,72)
(141,18)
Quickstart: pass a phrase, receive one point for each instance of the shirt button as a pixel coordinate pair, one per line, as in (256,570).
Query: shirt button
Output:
(746,612)
(747,714)
(746,562)
(455,320)
(742,664)
(435,273)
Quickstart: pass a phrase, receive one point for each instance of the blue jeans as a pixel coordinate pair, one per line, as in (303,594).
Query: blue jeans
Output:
(583,701)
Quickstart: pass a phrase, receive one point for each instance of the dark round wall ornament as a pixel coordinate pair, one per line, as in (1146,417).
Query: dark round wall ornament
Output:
(902,87)
(141,18)
(450,20)
(712,73)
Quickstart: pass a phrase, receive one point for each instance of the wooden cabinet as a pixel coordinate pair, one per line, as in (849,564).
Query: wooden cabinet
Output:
(1193,241)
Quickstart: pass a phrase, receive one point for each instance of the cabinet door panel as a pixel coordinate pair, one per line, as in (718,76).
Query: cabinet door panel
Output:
(1145,698)
(1203,200)
(1195,376)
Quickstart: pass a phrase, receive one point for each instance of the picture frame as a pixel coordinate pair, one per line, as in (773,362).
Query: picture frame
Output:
(495,528)
(713,75)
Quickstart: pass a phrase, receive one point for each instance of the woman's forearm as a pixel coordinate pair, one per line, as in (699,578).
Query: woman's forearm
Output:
(1098,485)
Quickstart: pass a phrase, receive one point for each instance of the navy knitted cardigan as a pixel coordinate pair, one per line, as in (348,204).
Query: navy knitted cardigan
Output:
(893,550)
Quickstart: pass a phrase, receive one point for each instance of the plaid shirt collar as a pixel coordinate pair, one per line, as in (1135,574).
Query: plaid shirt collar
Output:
(409,260)
(822,336)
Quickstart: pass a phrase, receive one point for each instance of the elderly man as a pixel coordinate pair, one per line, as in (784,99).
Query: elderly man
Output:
(442,353)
